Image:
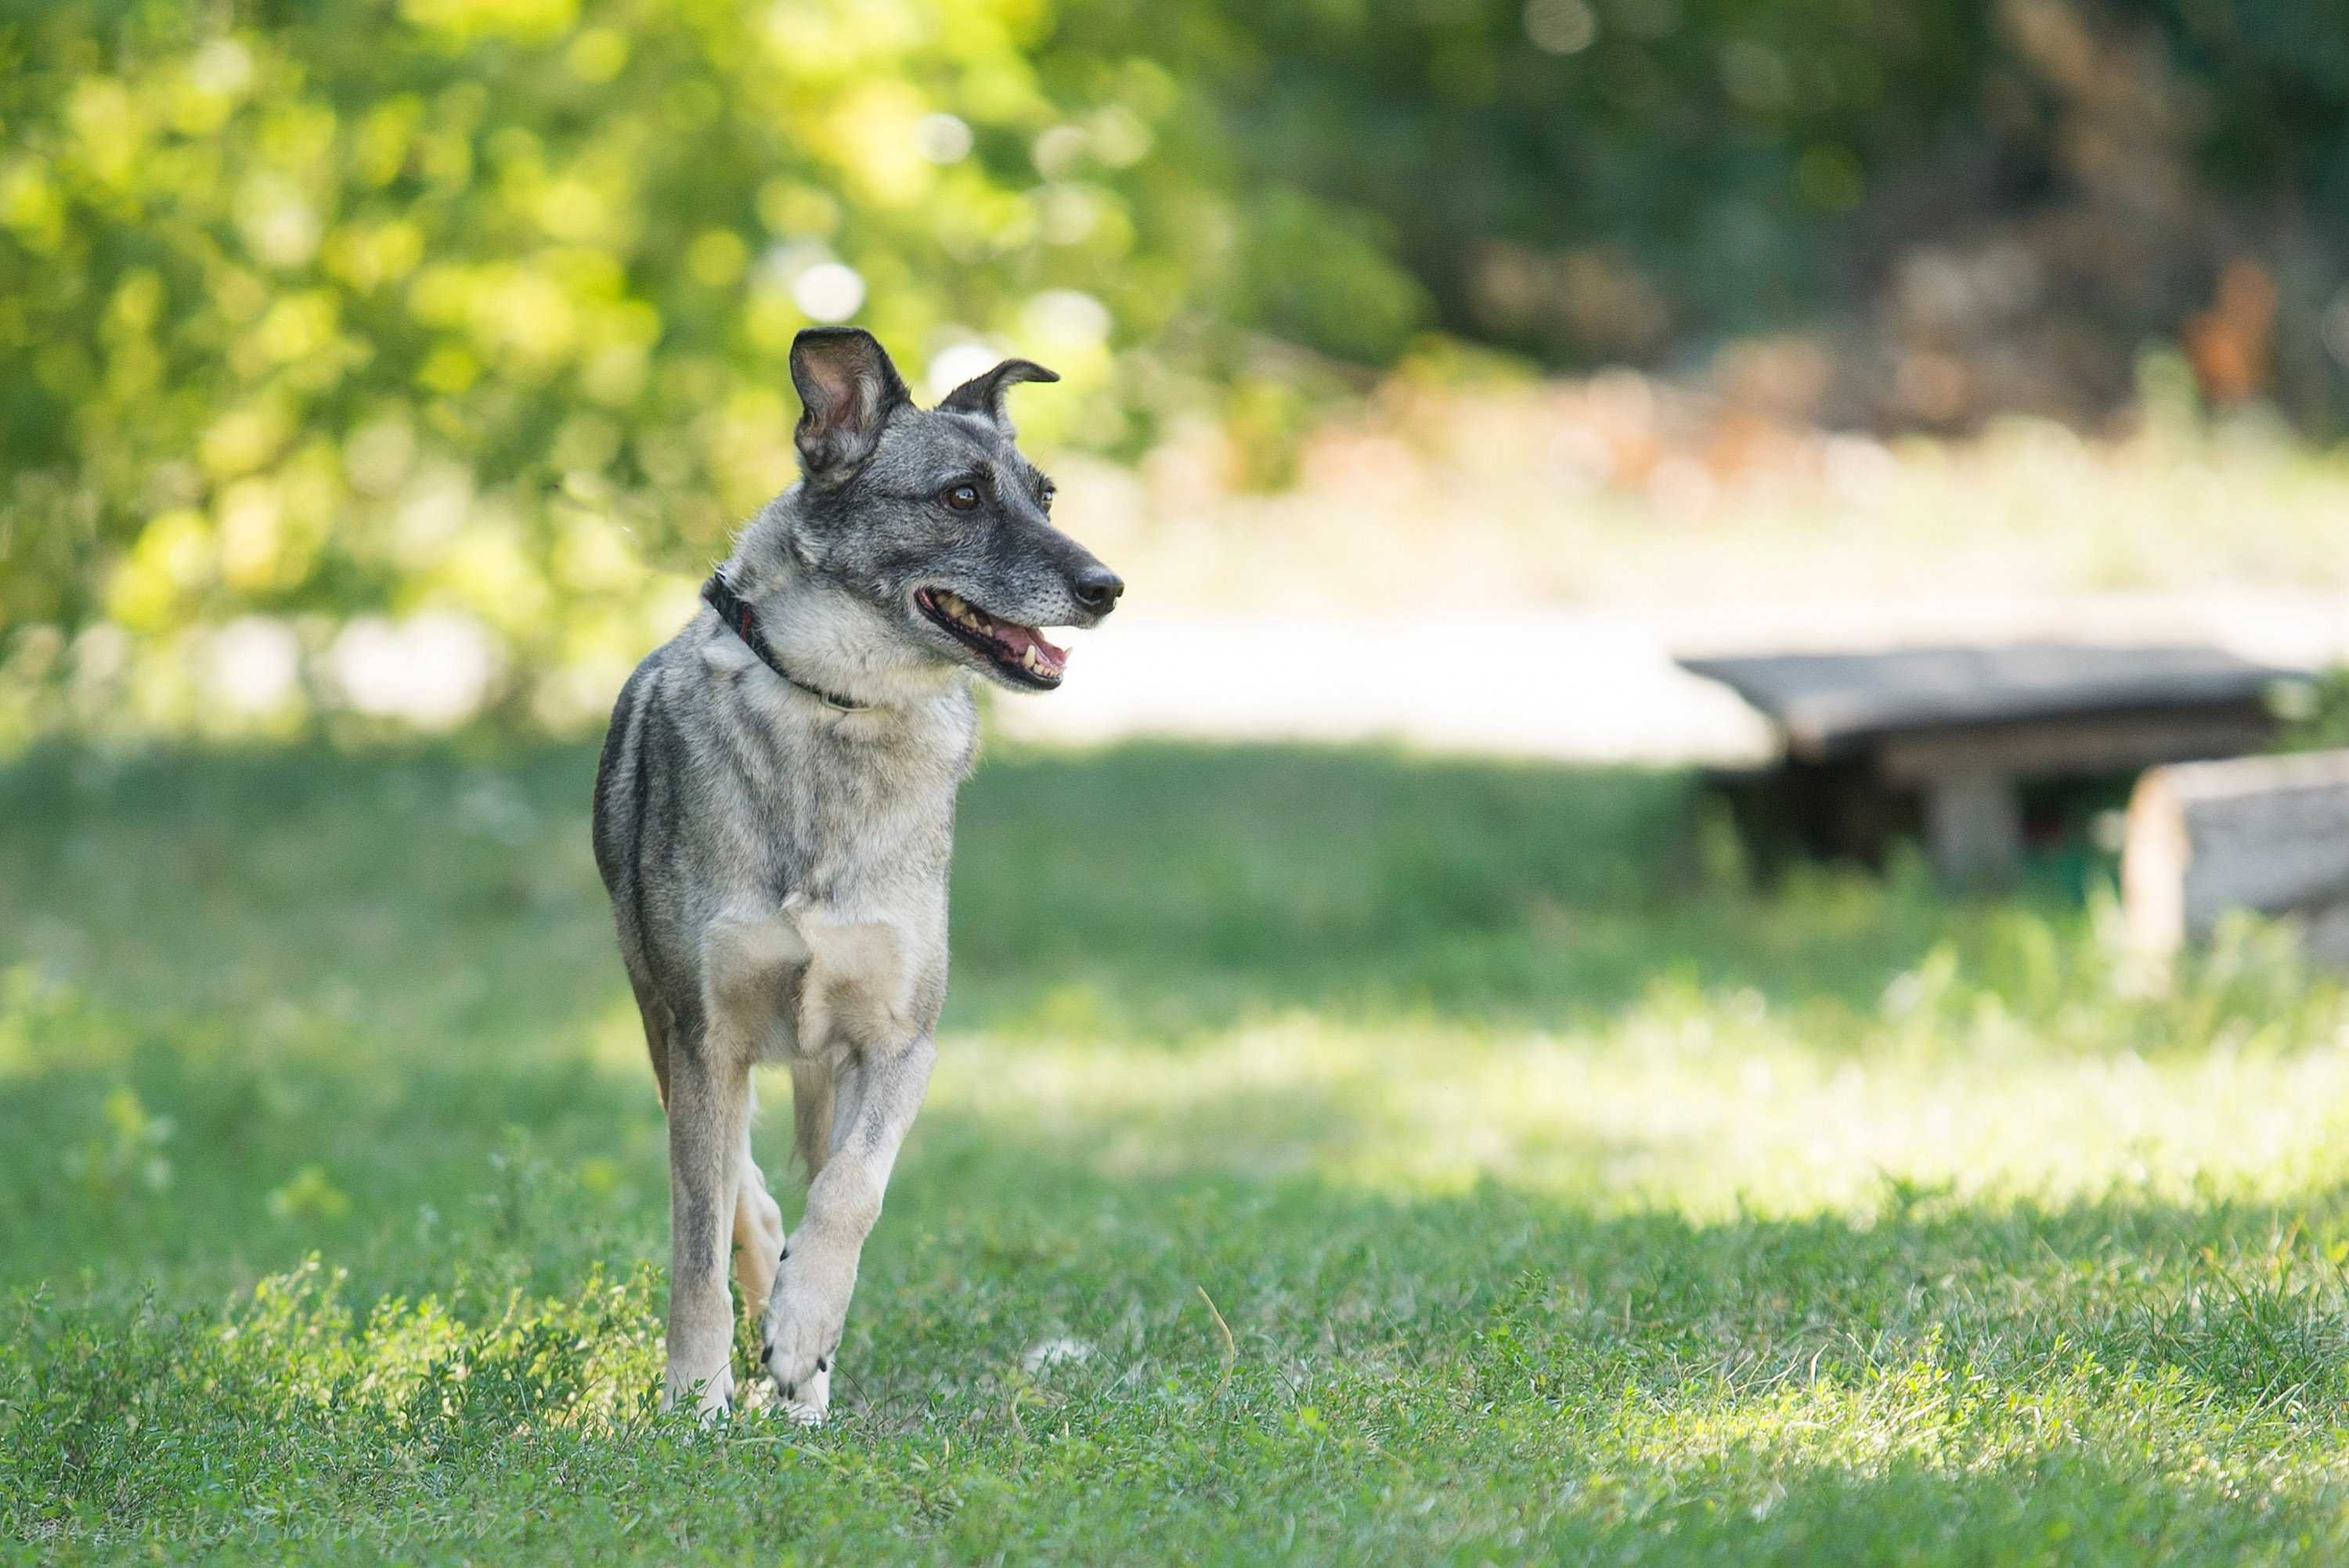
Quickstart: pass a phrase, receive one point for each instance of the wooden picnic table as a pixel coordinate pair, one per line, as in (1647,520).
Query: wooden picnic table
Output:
(1945,738)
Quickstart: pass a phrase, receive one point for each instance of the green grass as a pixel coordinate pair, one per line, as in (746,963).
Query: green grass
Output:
(1566,1197)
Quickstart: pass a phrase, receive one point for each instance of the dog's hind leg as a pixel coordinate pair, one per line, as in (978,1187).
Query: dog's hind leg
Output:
(813,1088)
(657,1033)
(758,1234)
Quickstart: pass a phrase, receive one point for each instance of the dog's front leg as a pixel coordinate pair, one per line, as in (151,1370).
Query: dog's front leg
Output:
(745,956)
(819,1270)
(708,1110)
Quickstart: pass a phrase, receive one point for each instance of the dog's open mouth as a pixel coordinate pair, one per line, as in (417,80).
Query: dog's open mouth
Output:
(1020,652)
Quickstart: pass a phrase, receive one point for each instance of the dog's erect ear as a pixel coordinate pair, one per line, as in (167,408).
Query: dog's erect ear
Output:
(848,389)
(983,394)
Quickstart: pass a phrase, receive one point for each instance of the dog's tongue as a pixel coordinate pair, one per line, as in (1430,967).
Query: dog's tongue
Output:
(1019,639)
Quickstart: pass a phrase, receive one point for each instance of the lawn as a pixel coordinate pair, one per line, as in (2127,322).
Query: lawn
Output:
(1411,1161)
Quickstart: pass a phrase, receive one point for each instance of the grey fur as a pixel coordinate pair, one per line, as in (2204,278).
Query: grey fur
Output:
(778,866)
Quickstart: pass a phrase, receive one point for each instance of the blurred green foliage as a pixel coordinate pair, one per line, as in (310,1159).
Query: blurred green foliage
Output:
(2317,716)
(305,306)
(1701,167)
(353,304)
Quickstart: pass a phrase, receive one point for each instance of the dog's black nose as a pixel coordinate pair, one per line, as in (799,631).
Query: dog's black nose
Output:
(1097,587)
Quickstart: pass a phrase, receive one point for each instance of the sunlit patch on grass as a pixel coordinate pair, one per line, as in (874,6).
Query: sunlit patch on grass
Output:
(1738,1116)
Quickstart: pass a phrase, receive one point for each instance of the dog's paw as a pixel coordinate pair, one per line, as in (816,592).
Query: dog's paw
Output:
(801,1334)
(801,1373)
(813,1401)
(713,1397)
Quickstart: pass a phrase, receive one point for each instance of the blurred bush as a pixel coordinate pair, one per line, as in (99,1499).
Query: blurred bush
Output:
(475,306)
(1972,206)
(309,307)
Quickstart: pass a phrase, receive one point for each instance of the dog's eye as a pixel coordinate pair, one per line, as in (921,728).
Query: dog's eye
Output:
(1045,500)
(963,498)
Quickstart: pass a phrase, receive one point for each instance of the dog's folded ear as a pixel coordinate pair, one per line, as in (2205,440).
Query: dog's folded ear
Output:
(983,394)
(848,389)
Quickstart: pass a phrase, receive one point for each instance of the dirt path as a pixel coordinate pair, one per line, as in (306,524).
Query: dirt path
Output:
(1576,686)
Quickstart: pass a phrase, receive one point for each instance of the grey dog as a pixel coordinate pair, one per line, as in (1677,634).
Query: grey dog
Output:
(774,815)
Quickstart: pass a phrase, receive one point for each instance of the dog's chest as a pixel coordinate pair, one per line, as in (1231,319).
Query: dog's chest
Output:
(863,897)
(870,828)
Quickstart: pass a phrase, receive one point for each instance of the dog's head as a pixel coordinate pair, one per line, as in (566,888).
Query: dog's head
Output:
(933,517)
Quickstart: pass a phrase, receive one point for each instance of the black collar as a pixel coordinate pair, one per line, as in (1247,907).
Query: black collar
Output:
(741,620)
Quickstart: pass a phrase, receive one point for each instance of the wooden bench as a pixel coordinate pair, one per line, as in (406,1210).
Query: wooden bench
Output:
(1941,740)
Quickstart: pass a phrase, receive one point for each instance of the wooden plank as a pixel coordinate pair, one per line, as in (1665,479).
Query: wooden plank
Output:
(2110,743)
(2269,834)
(1829,704)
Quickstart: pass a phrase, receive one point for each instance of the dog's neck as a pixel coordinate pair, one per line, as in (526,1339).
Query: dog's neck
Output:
(835,648)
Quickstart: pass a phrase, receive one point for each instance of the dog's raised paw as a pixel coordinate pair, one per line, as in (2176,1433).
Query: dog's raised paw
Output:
(801,1332)
(801,1380)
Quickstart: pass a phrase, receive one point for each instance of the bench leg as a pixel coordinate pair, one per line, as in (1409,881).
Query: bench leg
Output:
(1973,827)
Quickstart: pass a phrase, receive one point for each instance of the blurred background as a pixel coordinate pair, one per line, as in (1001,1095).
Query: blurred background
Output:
(383,366)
